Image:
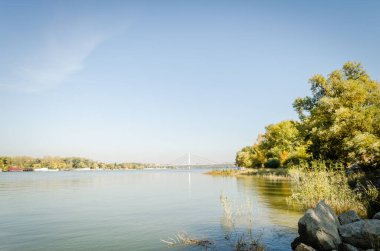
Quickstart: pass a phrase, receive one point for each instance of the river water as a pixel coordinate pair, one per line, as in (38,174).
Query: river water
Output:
(136,209)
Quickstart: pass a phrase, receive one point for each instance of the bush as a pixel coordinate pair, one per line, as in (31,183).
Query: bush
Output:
(294,161)
(316,182)
(273,163)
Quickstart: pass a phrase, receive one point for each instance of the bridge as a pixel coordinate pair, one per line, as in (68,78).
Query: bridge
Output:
(191,160)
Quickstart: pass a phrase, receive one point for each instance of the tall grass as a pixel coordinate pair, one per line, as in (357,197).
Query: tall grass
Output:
(183,239)
(224,172)
(236,214)
(275,176)
(316,182)
(267,173)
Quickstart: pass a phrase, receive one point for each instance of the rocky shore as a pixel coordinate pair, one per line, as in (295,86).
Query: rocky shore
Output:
(321,229)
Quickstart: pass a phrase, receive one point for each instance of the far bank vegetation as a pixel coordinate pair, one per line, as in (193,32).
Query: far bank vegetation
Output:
(26,163)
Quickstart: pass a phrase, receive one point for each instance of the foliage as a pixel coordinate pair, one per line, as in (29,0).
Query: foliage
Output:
(316,182)
(250,156)
(339,123)
(224,172)
(273,163)
(339,127)
(342,117)
(280,139)
(279,143)
(66,163)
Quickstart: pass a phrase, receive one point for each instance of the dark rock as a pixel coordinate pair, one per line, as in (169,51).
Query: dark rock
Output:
(348,217)
(348,247)
(319,228)
(362,234)
(303,247)
(376,216)
(295,243)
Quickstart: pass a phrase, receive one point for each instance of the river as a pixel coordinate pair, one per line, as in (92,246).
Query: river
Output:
(136,209)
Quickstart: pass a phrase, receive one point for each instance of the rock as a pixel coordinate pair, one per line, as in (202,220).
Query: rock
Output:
(303,247)
(319,228)
(362,234)
(376,216)
(348,247)
(295,243)
(348,217)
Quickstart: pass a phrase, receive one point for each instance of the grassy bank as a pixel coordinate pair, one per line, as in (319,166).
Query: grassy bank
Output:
(267,173)
(342,189)
(225,172)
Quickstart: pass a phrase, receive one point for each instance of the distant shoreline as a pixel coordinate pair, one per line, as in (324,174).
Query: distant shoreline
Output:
(52,163)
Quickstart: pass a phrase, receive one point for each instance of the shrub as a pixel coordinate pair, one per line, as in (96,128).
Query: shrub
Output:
(273,163)
(316,182)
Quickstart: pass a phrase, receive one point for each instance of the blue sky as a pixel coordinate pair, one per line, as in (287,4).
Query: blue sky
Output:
(149,81)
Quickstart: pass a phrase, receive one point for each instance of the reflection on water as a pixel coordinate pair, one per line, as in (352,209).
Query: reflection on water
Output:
(133,210)
(189,184)
(272,194)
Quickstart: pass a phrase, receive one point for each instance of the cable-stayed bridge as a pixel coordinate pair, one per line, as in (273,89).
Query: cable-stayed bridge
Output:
(191,160)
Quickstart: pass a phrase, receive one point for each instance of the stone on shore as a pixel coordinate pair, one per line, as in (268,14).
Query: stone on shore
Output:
(303,247)
(363,234)
(348,217)
(376,216)
(348,247)
(295,242)
(318,228)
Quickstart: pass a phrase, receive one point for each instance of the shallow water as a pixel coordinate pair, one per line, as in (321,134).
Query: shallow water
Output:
(134,210)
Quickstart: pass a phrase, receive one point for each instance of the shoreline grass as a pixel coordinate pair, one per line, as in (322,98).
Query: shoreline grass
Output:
(183,239)
(224,172)
(267,173)
(314,182)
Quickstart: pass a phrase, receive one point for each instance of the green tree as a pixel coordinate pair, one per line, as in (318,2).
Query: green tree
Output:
(282,140)
(341,118)
(280,143)
(244,157)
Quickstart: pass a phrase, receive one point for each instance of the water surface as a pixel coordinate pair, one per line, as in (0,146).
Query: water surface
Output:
(134,210)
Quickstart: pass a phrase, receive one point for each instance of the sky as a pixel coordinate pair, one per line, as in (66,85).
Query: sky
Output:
(149,81)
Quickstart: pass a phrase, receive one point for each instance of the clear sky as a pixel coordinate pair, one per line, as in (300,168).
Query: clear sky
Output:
(148,81)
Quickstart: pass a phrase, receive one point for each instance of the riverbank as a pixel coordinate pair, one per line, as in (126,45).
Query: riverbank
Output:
(268,173)
(343,189)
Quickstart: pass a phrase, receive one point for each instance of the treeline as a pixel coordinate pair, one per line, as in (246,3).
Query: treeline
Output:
(62,163)
(338,124)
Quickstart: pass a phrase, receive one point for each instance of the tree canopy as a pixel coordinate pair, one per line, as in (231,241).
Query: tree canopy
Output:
(339,122)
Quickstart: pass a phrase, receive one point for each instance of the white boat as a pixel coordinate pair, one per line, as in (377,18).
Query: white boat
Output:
(45,169)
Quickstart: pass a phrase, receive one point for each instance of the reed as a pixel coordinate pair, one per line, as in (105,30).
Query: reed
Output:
(233,214)
(316,182)
(183,239)
(248,244)
(275,176)
(224,172)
